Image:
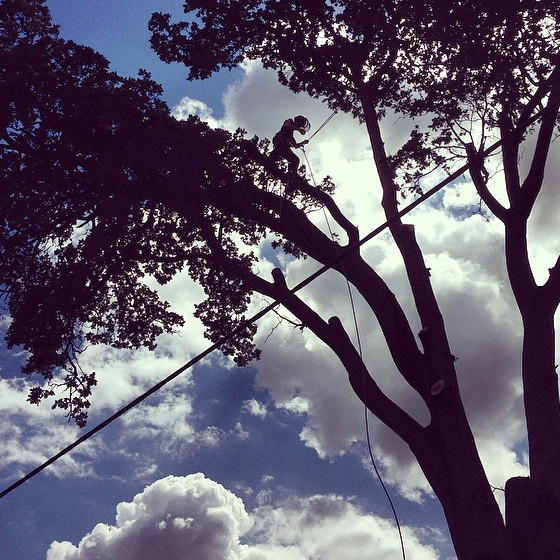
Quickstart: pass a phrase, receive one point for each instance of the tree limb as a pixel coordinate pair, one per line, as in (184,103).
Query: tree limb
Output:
(480,183)
(534,180)
(334,336)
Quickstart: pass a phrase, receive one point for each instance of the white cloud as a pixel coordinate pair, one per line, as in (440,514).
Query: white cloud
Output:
(210,436)
(328,527)
(255,408)
(194,517)
(467,273)
(188,106)
(25,447)
(239,432)
(166,422)
(297,405)
(173,518)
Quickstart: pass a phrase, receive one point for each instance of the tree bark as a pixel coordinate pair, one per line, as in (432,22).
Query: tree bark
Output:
(532,521)
(448,455)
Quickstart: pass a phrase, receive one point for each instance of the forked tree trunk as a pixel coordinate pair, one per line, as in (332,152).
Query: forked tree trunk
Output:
(448,455)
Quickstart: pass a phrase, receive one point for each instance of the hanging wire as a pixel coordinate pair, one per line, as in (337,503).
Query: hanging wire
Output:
(360,351)
(305,282)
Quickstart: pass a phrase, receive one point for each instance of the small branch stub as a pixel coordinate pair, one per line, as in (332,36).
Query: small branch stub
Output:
(278,277)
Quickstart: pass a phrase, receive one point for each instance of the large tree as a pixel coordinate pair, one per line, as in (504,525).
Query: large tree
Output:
(95,197)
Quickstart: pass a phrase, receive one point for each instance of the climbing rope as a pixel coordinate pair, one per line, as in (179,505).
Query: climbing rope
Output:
(360,351)
(323,125)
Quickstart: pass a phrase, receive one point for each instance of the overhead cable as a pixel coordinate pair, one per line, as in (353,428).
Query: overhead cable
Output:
(324,268)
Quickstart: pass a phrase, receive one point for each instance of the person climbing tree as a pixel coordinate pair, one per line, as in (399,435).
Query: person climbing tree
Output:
(284,141)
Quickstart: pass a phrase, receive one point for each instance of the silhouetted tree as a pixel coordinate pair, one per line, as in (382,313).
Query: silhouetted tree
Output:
(100,187)
(477,69)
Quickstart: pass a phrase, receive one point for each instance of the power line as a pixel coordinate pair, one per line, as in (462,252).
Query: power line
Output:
(306,281)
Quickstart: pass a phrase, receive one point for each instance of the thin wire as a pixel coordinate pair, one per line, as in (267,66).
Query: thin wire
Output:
(360,351)
(305,282)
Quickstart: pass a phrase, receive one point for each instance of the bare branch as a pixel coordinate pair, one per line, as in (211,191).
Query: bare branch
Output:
(480,177)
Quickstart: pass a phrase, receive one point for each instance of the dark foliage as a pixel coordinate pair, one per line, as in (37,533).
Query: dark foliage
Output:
(462,63)
(100,188)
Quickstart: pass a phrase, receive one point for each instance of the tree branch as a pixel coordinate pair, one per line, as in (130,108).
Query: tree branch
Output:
(542,91)
(350,229)
(417,272)
(476,171)
(334,336)
(533,182)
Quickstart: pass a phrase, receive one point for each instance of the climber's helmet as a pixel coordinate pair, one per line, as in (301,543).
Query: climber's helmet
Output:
(302,124)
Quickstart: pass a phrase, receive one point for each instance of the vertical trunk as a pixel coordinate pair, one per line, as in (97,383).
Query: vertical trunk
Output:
(541,400)
(532,504)
(452,464)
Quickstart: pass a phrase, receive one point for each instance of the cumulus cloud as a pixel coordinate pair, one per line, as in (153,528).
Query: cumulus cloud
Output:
(468,277)
(194,517)
(173,518)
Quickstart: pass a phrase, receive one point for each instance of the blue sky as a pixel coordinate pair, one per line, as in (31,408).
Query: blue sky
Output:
(120,32)
(283,439)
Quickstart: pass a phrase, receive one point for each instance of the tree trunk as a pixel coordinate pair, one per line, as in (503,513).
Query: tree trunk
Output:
(533,505)
(448,456)
(540,391)
(456,474)
(532,521)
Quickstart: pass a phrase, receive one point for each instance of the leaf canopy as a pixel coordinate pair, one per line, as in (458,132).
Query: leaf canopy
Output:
(100,191)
